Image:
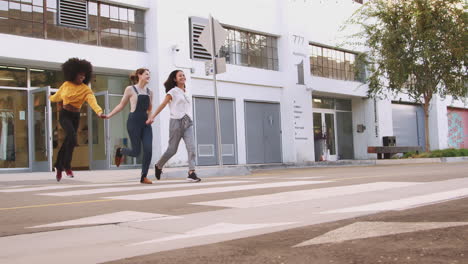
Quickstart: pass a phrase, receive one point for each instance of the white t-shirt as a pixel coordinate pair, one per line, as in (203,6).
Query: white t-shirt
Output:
(181,103)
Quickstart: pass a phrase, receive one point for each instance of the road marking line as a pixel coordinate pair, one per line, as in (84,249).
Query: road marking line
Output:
(57,204)
(170,194)
(405,203)
(58,187)
(137,188)
(361,230)
(112,218)
(70,186)
(304,195)
(215,229)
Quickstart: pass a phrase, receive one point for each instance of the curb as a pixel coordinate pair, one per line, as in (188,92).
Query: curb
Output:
(102,176)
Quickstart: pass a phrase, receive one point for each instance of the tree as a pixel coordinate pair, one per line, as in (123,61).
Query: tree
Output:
(416,47)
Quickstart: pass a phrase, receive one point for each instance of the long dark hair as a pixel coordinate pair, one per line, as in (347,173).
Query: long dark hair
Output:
(170,82)
(134,76)
(73,66)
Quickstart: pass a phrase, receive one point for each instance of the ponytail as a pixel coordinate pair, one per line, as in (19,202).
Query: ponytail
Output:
(134,76)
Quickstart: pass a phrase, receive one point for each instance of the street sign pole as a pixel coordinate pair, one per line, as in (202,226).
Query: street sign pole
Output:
(216,102)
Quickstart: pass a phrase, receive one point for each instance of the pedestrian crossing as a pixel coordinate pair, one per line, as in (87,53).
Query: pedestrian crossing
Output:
(219,209)
(311,190)
(400,204)
(137,188)
(172,194)
(304,195)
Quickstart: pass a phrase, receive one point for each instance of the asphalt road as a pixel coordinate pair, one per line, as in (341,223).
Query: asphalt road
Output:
(379,214)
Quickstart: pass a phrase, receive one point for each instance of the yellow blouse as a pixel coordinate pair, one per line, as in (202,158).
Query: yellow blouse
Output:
(76,95)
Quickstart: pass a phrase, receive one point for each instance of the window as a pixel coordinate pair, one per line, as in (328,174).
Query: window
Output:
(42,78)
(241,47)
(13,76)
(87,22)
(300,73)
(332,103)
(333,63)
(250,49)
(14,129)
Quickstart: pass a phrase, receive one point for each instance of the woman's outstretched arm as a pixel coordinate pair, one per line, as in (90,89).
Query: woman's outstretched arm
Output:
(159,109)
(123,102)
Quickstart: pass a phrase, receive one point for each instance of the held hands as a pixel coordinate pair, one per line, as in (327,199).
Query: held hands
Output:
(103,116)
(149,121)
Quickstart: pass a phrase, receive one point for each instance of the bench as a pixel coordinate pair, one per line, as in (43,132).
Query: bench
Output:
(388,151)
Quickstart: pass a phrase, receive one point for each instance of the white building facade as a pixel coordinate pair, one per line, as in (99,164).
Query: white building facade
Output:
(289,94)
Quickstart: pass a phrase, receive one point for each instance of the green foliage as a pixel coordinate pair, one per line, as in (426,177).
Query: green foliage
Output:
(438,153)
(416,47)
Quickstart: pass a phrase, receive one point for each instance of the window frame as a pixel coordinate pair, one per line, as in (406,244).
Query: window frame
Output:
(334,63)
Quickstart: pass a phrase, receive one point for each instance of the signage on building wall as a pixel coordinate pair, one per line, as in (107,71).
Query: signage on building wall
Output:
(299,128)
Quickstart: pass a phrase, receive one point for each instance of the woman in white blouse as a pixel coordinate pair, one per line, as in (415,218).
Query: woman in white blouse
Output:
(181,124)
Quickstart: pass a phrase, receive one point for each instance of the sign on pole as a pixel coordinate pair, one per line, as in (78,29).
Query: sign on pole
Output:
(220,35)
(220,66)
(212,39)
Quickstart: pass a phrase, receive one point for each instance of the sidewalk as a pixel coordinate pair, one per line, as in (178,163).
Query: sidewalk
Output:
(116,175)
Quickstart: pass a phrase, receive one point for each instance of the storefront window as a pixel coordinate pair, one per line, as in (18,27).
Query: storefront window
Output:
(325,103)
(13,76)
(42,78)
(113,84)
(13,129)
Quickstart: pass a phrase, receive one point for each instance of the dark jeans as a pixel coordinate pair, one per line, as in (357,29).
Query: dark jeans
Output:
(140,134)
(69,122)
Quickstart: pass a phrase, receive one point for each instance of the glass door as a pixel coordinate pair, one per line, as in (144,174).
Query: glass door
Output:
(324,136)
(99,135)
(41,126)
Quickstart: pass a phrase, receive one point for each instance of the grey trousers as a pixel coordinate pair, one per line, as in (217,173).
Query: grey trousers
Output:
(180,129)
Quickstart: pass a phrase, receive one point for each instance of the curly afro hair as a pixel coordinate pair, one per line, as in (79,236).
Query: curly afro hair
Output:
(73,66)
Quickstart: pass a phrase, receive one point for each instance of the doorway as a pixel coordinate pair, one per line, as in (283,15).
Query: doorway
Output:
(46,134)
(263,132)
(324,135)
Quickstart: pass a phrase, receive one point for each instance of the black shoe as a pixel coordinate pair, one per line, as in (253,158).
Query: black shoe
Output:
(118,158)
(192,177)
(158,172)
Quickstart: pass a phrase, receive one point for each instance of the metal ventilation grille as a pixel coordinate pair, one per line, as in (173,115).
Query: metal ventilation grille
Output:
(228,149)
(206,150)
(196,27)
(73,13)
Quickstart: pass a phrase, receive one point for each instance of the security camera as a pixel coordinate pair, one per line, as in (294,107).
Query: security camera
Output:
(175,48)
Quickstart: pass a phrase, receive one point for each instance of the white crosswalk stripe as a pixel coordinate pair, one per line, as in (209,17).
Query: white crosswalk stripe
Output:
(69,186)
(112,218)
(399,204)
(170,194)
(304,195)
(137,188)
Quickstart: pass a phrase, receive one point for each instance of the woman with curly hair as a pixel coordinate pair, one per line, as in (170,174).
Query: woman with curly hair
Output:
(72,94)
(180,125)
(140,133)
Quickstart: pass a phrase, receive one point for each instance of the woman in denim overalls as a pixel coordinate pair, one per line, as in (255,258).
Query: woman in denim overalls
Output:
(140,133)
(180,126)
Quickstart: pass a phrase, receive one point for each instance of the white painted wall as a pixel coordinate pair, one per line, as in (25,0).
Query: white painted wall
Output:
(295,22)
(290,20)
(50,53)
